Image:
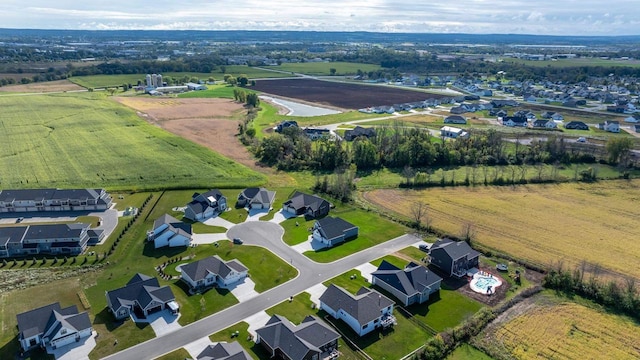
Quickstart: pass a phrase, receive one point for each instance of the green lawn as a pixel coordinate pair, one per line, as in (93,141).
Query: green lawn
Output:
(468,352)
(351,281)
(180,354)
(416,254)
(323,68)
(88,140)
(295,310)
(296,230)
(200,228)
(393,260)
(373,230)
(228,335)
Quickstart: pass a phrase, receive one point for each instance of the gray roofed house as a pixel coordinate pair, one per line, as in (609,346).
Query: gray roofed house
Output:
(454,258)
(311,206)
(358,131)
(331,231)
(212,271)
(256,198)
(363,312)
(30,200)
(51,326)
(142,295)
(169,231)
(224,351)
(576,125)
(311,340)
(206,205)
(412,285)
(455,119)
(54,239)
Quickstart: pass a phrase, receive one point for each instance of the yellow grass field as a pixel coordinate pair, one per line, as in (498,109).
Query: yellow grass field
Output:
(568,331)
(544,224)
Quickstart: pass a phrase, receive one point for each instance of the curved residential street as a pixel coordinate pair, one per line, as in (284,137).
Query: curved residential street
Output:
(310,273)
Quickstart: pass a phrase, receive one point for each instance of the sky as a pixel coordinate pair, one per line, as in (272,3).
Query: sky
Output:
(543,17)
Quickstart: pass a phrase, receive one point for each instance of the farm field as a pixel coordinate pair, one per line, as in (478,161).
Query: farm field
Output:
(103,81)
(550,327)
(543,224)
(85,140)
(324,68)
(342,95)
(564,63)
(48,86)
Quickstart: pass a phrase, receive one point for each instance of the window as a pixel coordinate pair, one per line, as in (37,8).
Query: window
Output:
(63,331)
(365,326)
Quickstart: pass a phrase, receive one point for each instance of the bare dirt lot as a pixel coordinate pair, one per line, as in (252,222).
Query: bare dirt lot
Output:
(49,86)
(209,122)
(342,95)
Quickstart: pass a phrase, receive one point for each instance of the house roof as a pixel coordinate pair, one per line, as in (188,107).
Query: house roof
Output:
(455,118)
(55,231)
(141,289)
(412,279)
(258,196)
(454,249)
(174,224)
(300,200)
(296,341)
(332,227)
(51,194)
(224,351)
(365,306)
(359,131)
(198,270)
(13,234)
(515,119)
(42,319)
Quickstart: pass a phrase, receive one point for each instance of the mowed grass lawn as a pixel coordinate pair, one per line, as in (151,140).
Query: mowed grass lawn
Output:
(87,140)
(558,328)
(373,230)
(543,224)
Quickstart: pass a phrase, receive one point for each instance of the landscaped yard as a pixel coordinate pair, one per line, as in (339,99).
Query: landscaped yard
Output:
(295,310)
(568,222)
(468,352)
(373,230)
(180,354)
(88,140)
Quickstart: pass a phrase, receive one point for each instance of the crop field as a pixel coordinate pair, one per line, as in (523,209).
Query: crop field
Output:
(251,72)
(342,95)
(86,140)
(48,86)
(563,330)
(543,224)
(565,63)
(324,68)
(102,81)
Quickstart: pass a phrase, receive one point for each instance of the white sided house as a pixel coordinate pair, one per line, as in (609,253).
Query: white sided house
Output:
(411,285)
(363,312)
(331,231)
(52,327)
(36,200)
(453,132)
(212,272)
(205,206)
(169,231)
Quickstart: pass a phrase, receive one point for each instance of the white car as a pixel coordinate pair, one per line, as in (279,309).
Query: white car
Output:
(581,139)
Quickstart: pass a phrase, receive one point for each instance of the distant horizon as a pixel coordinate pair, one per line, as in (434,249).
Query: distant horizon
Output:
(520,17)
(321,31)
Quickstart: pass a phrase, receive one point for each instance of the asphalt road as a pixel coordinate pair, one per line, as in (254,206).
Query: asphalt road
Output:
(310,273)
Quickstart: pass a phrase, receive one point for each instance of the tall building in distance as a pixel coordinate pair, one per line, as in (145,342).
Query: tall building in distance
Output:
(154,81)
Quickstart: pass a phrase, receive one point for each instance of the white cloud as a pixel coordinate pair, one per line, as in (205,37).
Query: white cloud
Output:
(590,17)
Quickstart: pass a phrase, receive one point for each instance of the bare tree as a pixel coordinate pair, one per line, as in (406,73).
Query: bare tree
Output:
(420,213)
(408,173)
(468,232)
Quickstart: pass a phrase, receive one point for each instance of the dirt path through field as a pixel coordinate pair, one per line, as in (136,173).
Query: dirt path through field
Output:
(212,123)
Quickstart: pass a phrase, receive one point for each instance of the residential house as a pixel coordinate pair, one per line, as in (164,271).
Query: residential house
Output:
(333,230)
(52,327)
(458,110)
(610,126)
(212,271)
(308,205)
(576,125)
(557,117)
(632,119)
(455,119)
(359,131)
(49,239)
(285,124)
(169,231)
(453,132)
(513,121)
(570,103)
(544,124)
(547,114)
(636,128)
(256,198)
(412,285)
(454,258)
(364,312)
(224,351)
(143,296)
(311,340)
(497,112)
(315,133)
(38,200)
(205,206)
(503,103)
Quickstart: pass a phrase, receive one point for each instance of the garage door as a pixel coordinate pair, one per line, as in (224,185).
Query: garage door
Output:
(154,309)
(64,341)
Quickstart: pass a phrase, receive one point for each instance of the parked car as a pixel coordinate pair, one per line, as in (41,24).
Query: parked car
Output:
(502,267)
(237,241)
(424,247)
(19,220)
(581,139)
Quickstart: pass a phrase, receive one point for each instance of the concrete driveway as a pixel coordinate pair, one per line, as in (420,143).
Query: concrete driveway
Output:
(195,348)
(256,214)
(256,321)
(75,351)
(162,322)
(244,290)
(281,216)
(218,221)
(316,291)
(257,233)
(200,239)
(366,269)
